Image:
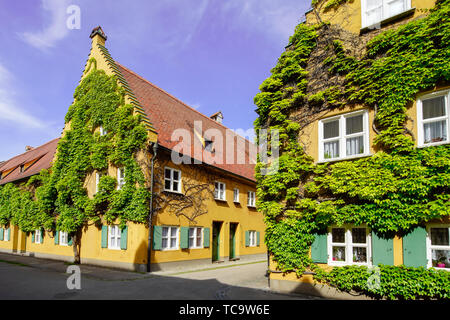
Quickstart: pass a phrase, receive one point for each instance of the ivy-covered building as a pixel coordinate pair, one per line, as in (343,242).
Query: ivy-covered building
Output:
(360,202)
(133,158)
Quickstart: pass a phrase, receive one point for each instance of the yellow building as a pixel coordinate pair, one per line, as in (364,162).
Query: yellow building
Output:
(203,207)
(347,133)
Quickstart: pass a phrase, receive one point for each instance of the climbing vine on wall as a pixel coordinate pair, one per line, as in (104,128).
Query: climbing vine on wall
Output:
(393,191)
(58,200)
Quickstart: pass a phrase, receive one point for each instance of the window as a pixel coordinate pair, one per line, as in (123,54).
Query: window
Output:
(98,176)
(252,238)
(22,168)
(219,191)
(114,237)
(103,131)
(349,246)
(195,237)
(63,238)
(169,238)
(433,119)
(172,180)
(251,198)
(344,136)
(38,236)
(209,145)
(439,247)
(375,11)
(236,195)
(120,178)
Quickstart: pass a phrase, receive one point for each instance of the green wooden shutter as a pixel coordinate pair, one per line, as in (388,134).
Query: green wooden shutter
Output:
(184,237)
(157,237)
(56,237)
(206,236)
(257,238)
(1,233)
(247,238)
(32,237)
(124,238)
(104,243)
(319,248)
(8,234)
(42,235)
(382,250)
(415,248)
(69,240)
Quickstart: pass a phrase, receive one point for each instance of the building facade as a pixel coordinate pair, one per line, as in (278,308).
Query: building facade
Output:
(202,204)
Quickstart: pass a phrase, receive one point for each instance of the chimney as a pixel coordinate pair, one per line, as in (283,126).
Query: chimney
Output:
(98,36)
(218,117)
(28,148)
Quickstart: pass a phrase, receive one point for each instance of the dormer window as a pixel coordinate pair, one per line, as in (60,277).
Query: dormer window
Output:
(103,131)
(22,168)
(375,11)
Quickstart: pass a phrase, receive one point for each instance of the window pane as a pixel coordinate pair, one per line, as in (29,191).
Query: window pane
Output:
(164,243)
(191,243)
(167,184)
(395,7)
(173,232)
(440,258)
(359,255)
(167,174)
(358,235)
(338,235)
(354,124)
(176,175)
(331,129)
(175,186)
(374,12)
(331,149)
(433,108)
(173,242)
(435,131)
(439,237)
(338,254)
(355,145)
(165,231)
(191,232)
(373,4)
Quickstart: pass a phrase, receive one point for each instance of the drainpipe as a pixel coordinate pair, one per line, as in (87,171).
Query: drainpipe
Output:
(149,248)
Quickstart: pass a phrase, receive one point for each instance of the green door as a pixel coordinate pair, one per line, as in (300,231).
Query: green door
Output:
(216,241)
(233,227)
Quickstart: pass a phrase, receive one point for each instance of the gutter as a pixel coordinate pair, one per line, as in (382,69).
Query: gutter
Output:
(149,248)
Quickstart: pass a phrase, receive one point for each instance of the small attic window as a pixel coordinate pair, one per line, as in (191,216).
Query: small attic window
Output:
(22,168)
(209,145)
(1,175)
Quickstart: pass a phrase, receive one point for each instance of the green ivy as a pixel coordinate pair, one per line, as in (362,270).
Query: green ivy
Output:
(58,200)
(393,191)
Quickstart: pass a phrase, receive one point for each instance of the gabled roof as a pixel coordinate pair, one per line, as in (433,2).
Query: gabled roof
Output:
(35,160)
(167,114)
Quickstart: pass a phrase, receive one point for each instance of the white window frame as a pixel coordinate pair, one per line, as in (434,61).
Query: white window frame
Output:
(252,234)
(169,237)
(114,235)
(120,180)
(431,247)
(349,246)
(37,236)
(421,121)
(98,175)
(198,234)
(220,191)
(251,199)
(172,180)
(63,238)
(384,11)
(236,195)
(343,136)
(103,132)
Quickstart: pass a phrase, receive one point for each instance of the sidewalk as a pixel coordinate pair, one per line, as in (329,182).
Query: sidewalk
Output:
(109,274)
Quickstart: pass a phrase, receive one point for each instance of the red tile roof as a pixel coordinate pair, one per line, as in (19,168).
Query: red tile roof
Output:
(40,157)
(167,114)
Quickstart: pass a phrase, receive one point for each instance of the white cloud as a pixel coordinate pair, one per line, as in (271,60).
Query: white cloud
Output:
(10,112)
(55,30)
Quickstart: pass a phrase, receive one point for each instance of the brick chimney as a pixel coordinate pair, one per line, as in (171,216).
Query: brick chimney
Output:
(28,148)
(218,117)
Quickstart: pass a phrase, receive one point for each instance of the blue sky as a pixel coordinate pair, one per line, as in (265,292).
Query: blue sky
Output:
(211,54)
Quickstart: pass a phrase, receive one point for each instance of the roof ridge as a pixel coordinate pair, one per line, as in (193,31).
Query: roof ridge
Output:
(5,162)
(175,98)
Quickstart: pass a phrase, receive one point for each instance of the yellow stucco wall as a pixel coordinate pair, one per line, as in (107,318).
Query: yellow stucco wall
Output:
(348,15)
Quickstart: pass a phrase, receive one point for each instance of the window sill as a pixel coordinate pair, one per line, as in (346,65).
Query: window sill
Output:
(343,264)
(113,248)
(387,21)
(223,200)
(253,207)
(346,158)
(174,192)
(433,144)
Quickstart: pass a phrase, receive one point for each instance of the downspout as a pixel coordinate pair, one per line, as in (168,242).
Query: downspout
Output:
(149,248)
